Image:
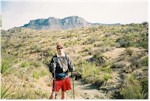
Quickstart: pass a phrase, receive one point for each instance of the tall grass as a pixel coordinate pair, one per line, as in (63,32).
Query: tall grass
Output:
(5,91)
(6,62)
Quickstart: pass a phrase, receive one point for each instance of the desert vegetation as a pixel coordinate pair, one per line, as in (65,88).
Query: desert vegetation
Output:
(113,58)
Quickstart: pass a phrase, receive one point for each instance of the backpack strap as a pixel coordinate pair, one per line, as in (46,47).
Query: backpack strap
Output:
(66,57)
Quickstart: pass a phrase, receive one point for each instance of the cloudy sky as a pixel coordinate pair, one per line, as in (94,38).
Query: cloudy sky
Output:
(19,12)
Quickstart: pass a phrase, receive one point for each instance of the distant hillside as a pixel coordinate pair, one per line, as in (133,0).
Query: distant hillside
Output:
(53,23)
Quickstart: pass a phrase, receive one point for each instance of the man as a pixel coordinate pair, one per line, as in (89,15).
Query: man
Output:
(59,66)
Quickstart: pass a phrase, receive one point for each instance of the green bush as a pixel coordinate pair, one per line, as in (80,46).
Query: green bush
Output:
(90,40)
(106,77)
(69,43)
(145,61)
(5,66)
(35,63)
(36,75)
(132,89)
(144,84)
(47,60)
(25,64)
(143,40)
(88,50)
(123,42)
(36,48)
(43,73)
(51,53)
(48,52)
(106,69)
(6,63)
(129,51)
(93,29)
(89,72)
(144,44)
(99,59)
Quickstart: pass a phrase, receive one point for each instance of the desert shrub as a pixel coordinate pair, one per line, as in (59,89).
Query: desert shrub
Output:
(88,50)
(79,64)
(43,73)
(143,41)
(6,62)
(106,69)
(99,59)
(93,29)
(90,73)
(36,75)
(35,63)
(70,35)
(123,42)
(120,64)
(69,43)
(144,61)
(106,77)
(18,45)
(31,63)
(48,52)
(107,34)
(36,48)
(90,40)
(132,89)
(25,64)
(47,60)
(129,51)
(97,44)
(5,66)
(144,44)
(144,84)
(47,56)
(138,60)
(51,53)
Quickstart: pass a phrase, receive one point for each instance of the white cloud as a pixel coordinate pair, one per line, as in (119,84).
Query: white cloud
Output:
(19,13)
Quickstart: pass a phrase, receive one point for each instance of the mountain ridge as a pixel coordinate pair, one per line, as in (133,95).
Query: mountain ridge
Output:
(53,23)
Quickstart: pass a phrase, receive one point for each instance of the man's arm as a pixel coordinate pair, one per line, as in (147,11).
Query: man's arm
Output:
(52,65)
(70,65)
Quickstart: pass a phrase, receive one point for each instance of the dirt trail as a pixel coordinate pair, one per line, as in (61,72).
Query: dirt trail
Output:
(87,91)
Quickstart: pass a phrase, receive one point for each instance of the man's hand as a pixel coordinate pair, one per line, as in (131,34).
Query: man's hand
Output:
(53,67)
(72,75)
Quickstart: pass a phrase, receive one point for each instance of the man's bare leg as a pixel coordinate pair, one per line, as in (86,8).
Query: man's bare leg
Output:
(63,95)
(53,95)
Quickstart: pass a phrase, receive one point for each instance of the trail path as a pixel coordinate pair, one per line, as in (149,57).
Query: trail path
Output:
(87,91)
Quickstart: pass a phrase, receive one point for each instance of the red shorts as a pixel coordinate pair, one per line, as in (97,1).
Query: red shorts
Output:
(64,84)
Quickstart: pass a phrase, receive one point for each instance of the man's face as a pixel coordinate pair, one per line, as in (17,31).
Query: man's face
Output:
(60,50)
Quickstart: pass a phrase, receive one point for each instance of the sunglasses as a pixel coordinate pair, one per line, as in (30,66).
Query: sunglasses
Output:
(60,48)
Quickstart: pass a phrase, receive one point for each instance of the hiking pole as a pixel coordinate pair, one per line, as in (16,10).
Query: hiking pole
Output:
(73,86)
(55,79)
